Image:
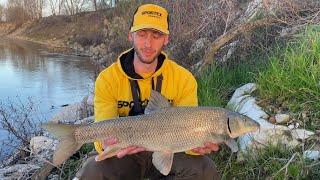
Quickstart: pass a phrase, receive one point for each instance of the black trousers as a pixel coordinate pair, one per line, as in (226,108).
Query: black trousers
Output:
(139,166)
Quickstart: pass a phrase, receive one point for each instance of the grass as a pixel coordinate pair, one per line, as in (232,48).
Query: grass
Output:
(272,162)
(73,164)
(219,81)
(293,76)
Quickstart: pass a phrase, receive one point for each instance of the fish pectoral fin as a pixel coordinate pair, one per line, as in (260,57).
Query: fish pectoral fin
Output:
(232,144)
(109,152)
(162,160)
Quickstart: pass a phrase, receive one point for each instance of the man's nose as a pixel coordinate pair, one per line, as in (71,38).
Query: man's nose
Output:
(147,41)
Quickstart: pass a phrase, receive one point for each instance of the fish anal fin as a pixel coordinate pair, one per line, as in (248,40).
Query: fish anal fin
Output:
(109,152)
(66,148)
(156,102)
(162,160)
(232,144)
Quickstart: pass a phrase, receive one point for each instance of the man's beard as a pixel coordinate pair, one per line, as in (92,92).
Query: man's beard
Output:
(143,60)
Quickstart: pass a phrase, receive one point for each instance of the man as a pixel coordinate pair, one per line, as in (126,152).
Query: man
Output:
(123,89)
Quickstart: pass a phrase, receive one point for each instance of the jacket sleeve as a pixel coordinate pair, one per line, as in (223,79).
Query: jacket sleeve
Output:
(105,104)
(188,93)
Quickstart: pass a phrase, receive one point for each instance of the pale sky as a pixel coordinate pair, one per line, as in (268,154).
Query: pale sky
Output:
(3,1)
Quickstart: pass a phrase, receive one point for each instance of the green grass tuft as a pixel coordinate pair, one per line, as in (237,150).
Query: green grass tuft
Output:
(218,83)
(293,76)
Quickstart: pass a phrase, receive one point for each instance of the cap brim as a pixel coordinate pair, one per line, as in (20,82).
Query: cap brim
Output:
(137,28)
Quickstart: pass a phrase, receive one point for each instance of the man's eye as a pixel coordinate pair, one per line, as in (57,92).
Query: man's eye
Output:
(141,34)
(157,35)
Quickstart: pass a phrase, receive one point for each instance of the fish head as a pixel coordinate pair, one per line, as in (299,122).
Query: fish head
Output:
(239,124)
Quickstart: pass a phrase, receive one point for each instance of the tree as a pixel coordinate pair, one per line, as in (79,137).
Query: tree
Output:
(33,8)
(75,6)
(1,12)
(95,4)
(15,12)
(56,6)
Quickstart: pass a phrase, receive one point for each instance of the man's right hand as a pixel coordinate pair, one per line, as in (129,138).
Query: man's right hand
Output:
(124,151)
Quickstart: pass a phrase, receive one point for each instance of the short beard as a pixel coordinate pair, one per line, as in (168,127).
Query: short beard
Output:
(144,61)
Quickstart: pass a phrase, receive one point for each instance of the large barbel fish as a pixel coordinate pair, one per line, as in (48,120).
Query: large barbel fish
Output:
(163,129)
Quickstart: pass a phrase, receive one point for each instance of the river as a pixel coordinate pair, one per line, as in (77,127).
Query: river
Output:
(51,80)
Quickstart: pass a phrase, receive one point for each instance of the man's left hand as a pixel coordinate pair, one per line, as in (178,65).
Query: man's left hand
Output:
(206,149)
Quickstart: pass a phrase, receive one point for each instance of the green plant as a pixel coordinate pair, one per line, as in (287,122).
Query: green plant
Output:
(293,76)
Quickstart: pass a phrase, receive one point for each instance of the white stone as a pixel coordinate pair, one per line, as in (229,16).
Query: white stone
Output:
(282,118)
(244,103)
(291,126)
(40,143)
(301,134)
(314,155)
(69,113)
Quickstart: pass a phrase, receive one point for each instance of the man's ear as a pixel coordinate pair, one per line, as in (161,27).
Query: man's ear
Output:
(166,40)
(130,36)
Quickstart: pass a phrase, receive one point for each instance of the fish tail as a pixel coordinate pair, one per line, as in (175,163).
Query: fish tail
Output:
(67,145)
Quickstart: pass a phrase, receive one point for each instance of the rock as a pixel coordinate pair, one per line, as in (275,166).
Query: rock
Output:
(40,143)
(18,171)
(68,114)
(272,120)
(87,120)
(291,126)
(313,155)
(301,134)
(232,48)
(244,103)
(198,48)
(75,112)
(282,118)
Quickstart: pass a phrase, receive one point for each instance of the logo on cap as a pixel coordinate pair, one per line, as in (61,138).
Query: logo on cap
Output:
(152,13)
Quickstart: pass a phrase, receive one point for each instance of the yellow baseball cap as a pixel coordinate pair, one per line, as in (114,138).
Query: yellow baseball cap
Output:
(150,16)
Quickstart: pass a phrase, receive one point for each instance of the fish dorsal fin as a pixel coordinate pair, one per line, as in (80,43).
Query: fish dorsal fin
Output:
(162,160)
(156,102)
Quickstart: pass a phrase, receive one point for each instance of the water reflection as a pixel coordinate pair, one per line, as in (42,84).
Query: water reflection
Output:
(26,69)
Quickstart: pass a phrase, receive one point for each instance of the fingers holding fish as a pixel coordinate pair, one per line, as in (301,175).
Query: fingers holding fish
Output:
(206,149)
(211,146)
(108,142)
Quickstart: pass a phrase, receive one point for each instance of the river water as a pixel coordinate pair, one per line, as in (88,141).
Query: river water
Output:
(28,70)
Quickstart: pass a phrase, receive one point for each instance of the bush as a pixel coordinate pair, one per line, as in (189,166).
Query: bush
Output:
(90,39)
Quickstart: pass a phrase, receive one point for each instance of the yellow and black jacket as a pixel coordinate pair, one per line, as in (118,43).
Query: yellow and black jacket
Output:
(114,92)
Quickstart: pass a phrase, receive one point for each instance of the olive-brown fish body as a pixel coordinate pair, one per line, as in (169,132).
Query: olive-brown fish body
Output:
(176,129)
(163,129)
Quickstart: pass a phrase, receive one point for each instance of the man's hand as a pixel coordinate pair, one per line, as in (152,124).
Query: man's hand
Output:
(124,151)
(206,149)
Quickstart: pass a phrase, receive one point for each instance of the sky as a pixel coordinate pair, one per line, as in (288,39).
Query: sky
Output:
(3,1)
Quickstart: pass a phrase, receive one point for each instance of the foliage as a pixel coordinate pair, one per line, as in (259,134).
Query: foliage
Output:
(73,164)
(293,76)
(290,72)
(272,162)
(218,83)
(19,121)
